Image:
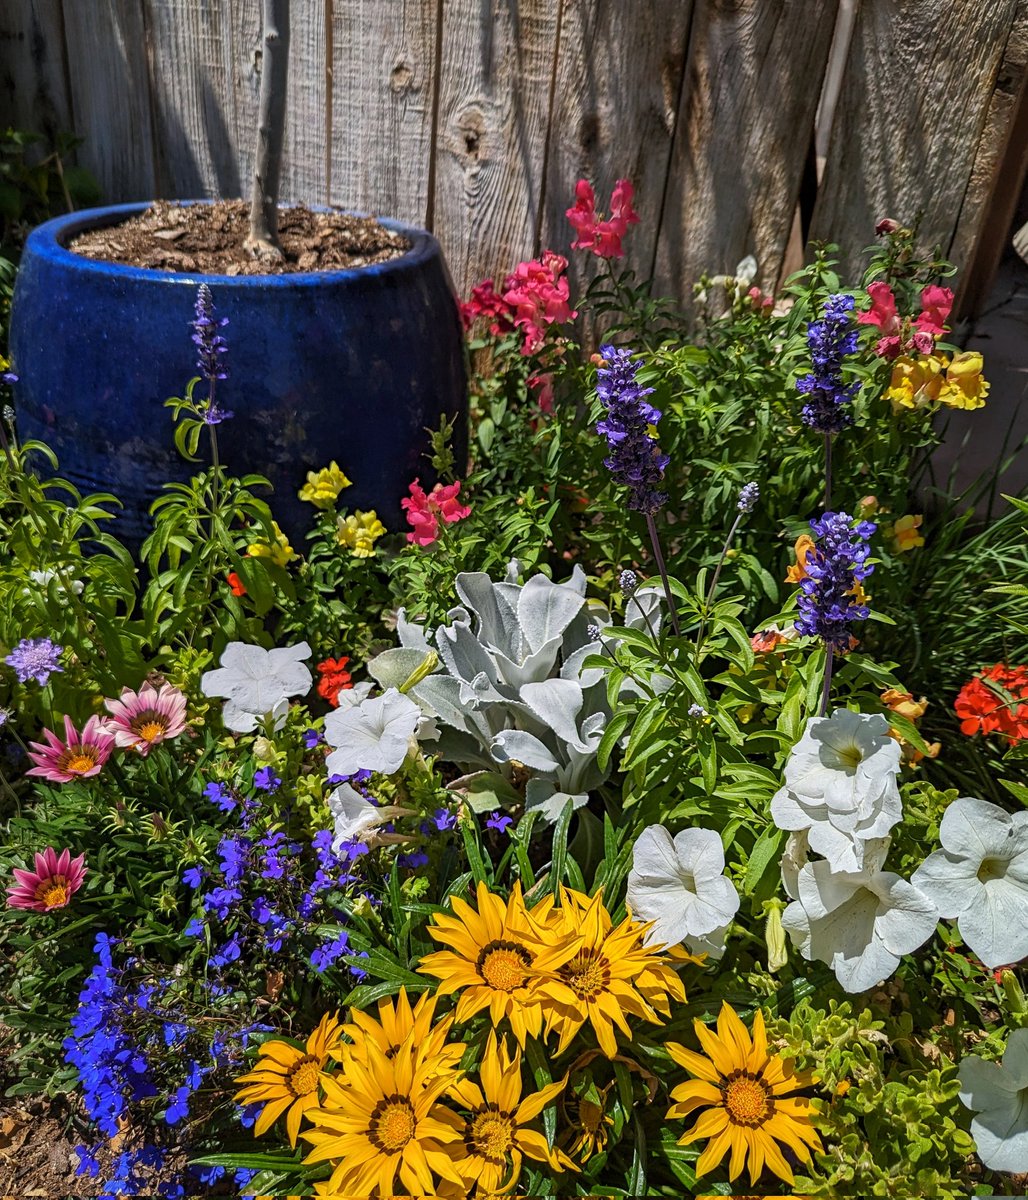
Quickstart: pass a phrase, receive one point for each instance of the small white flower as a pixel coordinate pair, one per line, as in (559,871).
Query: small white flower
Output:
(255,682)
(680,885)
(42,580)
(840,785)
(374,735)
(354,814)
(980,877)
(998,1096)
(860,923)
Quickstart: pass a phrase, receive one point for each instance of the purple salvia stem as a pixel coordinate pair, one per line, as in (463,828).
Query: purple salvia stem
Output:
(658,555)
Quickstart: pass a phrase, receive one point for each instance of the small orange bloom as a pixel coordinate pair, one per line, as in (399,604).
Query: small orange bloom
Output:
(803,547)
(335,678)
(236,584)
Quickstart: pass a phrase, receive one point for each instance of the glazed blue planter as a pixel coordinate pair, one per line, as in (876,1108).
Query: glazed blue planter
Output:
(349,365)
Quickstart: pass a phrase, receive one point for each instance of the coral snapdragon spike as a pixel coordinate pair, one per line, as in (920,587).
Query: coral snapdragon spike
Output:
(56,878)
(537,294)
(835,567)
(78,756)
(830,340)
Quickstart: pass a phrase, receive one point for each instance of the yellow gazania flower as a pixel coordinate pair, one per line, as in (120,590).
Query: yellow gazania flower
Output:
(798,572)
(590,1122)
(323,487)
(915,382)
(905,534)
(359,532)
(396,1024)
(495,1134)
(745,1092)
(611,974)
(381,1117)
(496,958)
(287,1078)
(280,552)
(964,386)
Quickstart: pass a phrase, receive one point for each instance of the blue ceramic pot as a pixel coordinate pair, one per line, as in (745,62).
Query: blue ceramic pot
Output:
(348,365)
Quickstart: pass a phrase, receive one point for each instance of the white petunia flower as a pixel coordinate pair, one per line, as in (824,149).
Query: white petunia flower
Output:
(680,885)
(42,579)
(840,786)
(374,735)
(255,682)
(860,923)
(998,1096)
(980,877)
(354,814)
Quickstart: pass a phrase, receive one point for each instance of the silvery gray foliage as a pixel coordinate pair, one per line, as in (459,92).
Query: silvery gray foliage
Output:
(512,688)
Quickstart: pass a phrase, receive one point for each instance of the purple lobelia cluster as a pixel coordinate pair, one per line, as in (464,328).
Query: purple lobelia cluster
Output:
(829,598)
(635,458)
(830,340)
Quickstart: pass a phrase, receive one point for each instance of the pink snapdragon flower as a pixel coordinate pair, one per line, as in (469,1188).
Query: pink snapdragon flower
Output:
(898,336)
(485,301)
(78,757)
(425,511)
(602,237)
(936,305)
(139,720)
(51,885)
(538,294)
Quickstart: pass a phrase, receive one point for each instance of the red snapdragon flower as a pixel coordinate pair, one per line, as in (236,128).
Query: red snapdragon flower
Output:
(335,678)
(538,295)
(602,237)
(235,583)
(936,305)
(424,511)
(486,302)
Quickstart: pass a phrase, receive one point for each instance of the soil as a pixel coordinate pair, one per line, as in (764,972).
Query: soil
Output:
(208,239)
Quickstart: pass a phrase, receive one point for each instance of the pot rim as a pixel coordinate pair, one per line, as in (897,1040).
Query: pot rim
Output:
(48,242)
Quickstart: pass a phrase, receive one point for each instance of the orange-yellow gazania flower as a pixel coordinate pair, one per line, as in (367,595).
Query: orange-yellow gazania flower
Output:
(798,571)
(745,1092)
(496,960)
(610,976)
(381,1118)
(964,386)
(395,1024)
(495,1133)
(286,1078)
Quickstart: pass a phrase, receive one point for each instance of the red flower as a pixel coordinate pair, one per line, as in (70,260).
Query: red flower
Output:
(335,678)
(236,584)
(882,311)
(423,511)
(538,294)
(602,237)
(983,710)
(936,303)
(486,302)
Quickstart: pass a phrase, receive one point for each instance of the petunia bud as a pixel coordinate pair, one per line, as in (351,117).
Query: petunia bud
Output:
(774,936)
(1015,997)
(264,750)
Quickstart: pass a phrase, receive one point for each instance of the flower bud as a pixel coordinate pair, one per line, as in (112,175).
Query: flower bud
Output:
(774,936)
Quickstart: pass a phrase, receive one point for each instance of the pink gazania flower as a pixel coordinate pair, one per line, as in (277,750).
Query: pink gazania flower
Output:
(51,885)
(602,237)
(424,511)
(139,720)
(77,757)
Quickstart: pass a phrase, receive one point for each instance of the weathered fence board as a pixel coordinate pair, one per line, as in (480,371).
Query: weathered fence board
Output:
(747,122)
(477,116)
(911,113)
(619,76)
(110,93)
(384,76)
(494,116)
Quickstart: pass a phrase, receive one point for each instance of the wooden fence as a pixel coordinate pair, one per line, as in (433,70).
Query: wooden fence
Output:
(475,117)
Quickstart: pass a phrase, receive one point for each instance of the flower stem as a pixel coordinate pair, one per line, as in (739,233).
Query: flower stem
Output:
(658,555)
(713,584)
(828,472)
(825,691)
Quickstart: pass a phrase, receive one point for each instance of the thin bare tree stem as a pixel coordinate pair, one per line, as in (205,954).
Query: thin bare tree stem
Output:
(263,237)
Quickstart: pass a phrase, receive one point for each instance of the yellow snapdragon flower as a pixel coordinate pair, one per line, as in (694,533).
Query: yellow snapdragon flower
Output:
(359,532)
(280,552)
(323,487)
(905,535)
(964,386)
(915,382)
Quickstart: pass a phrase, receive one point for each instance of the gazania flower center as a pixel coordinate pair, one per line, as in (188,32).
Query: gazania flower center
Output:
(149,726)
(53,892)
(77,760)
(303,1078)
(747,1100)
(587,974)
(490,1134)
(392,1124)
(504,965)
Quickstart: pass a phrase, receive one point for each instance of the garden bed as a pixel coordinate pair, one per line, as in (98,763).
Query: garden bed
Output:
(645,818)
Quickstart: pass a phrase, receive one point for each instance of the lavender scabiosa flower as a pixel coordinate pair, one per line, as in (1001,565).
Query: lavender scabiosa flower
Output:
(211,347)
(830,340)
(635,459)
(35,658)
